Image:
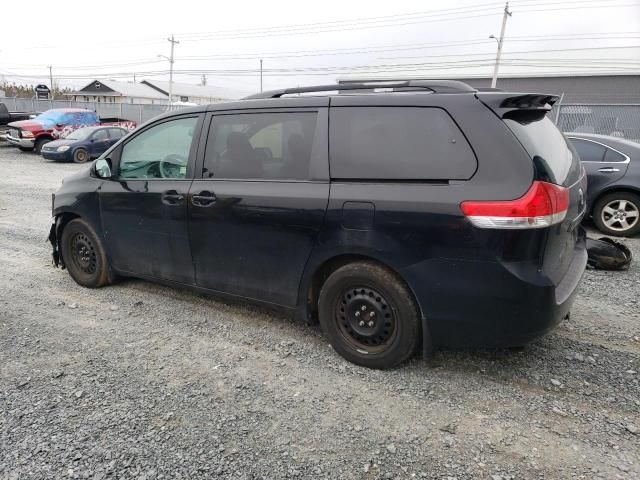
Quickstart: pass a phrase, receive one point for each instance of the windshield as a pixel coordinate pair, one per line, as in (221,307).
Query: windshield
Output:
(51,116)
(80,134)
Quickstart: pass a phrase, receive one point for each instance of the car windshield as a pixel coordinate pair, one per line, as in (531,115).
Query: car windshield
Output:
(80,134)
(51,116)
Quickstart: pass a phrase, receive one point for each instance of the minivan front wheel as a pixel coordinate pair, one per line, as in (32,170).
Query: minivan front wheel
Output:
(369,315)
(84,255)
(618,214)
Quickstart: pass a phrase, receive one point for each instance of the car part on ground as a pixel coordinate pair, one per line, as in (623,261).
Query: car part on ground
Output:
(607,254)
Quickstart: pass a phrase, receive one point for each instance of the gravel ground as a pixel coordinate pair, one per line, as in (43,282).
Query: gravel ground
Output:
(143,381)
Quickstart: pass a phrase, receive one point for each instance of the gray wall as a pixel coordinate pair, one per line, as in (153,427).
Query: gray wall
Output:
(595,89)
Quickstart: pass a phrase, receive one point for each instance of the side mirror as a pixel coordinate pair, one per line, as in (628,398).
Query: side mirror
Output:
(103,168)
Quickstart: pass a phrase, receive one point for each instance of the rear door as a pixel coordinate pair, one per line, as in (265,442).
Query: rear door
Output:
(144,209)
(603,164)
(256,211)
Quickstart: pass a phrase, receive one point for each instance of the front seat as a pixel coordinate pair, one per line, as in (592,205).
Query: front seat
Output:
(240,160)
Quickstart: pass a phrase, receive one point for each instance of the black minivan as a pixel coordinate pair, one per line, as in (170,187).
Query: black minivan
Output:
(400,215)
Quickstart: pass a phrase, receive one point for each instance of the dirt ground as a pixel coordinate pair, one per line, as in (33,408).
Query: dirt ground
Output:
(143,381)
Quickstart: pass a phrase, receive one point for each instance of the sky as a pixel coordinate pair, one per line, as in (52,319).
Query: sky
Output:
(303,43)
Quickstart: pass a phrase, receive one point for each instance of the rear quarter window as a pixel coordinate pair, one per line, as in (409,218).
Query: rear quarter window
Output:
(398,143)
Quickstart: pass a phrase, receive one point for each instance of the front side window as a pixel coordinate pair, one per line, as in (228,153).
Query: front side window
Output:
(100,136)
(161,151)
(260,146)
(397,143)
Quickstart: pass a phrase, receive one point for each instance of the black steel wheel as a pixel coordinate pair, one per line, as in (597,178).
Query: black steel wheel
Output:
(369,315)
(364,319)
(84,255)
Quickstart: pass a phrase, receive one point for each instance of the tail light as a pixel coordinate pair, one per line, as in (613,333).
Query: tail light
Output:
(545,204)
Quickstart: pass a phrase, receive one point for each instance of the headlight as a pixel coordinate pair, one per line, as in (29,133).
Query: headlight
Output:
(27,134)
(63,148)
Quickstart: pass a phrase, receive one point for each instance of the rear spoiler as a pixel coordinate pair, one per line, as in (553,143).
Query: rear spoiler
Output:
(502,103)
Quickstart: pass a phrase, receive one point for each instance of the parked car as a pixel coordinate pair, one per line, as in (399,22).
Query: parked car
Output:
(57,123)
(83,144)
(440,216)
(7,117)
(613,170)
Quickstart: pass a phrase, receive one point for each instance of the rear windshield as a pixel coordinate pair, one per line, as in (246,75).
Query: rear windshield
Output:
(554,158)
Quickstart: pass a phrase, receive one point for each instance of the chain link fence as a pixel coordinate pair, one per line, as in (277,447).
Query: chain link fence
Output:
(617,120)
(136,112)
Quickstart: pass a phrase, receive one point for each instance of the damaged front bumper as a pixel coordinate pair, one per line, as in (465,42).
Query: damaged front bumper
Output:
(54,238)
(55,244)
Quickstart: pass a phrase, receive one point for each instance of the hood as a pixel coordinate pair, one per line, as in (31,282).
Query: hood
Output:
(61,142)
(29,125)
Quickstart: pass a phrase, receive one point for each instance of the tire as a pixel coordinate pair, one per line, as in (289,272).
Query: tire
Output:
(618,214)
(37,147)
(80,156)
(84,255)
(365,290)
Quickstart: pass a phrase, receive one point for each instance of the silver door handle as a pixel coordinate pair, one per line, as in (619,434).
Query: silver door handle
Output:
(608,170)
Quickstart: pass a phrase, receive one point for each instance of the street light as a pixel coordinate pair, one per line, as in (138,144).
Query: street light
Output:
(170,79)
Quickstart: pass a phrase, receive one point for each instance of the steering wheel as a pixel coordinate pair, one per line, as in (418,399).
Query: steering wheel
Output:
(171,164)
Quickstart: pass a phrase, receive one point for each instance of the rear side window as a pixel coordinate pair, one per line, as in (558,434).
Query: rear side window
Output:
(260,146)
(589,151)
(116,133)
(553,159)
(613,156)
(398,143)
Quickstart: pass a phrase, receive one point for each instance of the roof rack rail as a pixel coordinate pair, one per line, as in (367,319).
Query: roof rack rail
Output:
(436,86)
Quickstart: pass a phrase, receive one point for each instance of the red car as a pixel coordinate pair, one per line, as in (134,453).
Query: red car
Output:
(57,123)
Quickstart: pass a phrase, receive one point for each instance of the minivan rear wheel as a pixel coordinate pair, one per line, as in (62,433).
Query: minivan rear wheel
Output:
(369,315)
(83,254)
(618,214)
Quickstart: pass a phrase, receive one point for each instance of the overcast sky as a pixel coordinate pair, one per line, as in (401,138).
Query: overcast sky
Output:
(305,43)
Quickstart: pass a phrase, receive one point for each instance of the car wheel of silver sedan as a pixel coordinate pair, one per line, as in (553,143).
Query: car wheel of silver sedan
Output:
(618,214)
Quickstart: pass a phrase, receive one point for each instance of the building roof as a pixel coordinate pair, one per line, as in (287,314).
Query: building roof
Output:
(120,89)
(210,92)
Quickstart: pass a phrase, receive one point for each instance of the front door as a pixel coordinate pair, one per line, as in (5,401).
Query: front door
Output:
(255,214)
(99,142)
(144,209)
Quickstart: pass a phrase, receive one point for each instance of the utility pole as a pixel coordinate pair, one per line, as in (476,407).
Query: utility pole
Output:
(260,75)
(506,14)
(50,67)
(173,42)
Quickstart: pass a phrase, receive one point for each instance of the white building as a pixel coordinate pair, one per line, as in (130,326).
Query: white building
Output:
(112,91)
(200,94)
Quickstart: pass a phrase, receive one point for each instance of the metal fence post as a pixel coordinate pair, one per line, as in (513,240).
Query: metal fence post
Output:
(559,106)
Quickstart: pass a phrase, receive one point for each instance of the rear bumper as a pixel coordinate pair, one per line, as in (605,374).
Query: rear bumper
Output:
(21,142)
(482,304)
